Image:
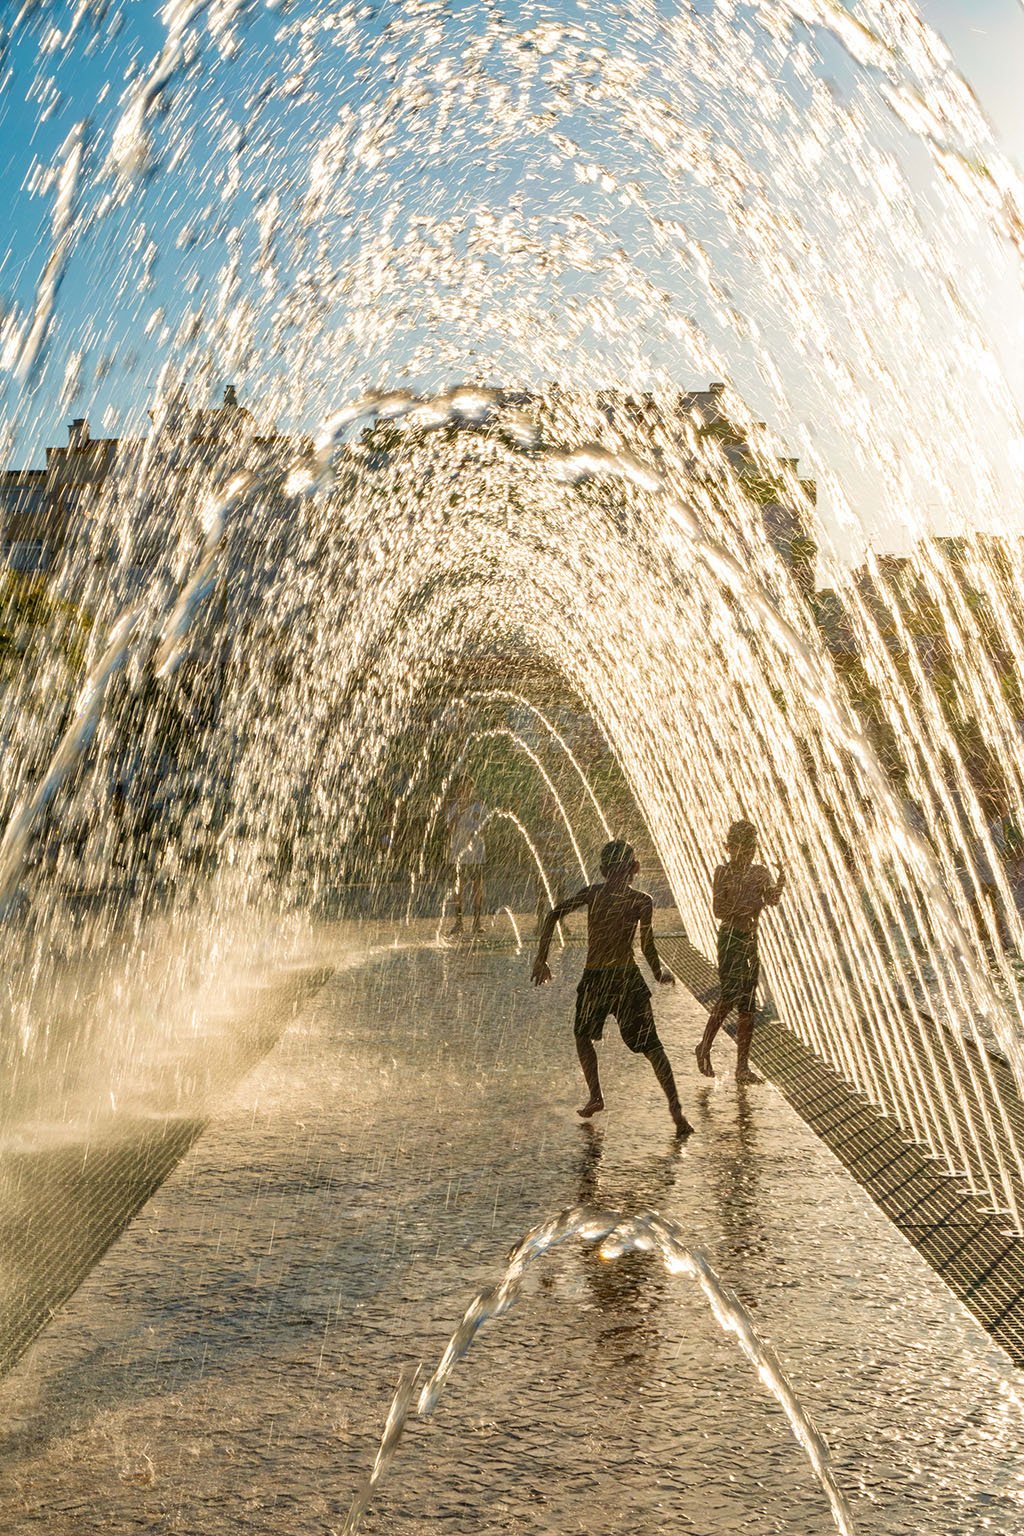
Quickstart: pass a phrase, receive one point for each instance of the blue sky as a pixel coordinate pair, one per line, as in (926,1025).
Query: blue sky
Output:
(987,40)
(985,36)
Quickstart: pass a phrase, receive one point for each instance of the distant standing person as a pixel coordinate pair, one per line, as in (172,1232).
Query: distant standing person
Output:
(611,981)
(467,851)
(741,891)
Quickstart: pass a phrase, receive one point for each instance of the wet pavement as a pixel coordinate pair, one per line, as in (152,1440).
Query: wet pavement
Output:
(227,1366)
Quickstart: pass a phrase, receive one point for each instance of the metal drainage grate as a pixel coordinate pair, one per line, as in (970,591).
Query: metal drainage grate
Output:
(966,1244)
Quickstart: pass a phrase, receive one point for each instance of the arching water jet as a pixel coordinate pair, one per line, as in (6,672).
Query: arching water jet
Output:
(617,1235)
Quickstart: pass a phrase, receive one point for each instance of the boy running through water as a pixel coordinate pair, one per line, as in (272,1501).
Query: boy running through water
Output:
(611,981)
(740,893)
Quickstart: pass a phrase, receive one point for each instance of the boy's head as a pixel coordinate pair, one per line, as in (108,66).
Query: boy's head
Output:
(742,840)
(618,860)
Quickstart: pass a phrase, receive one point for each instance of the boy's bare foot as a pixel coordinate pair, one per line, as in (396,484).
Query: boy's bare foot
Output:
(703,1055)
(744,1075)
(592,1107)
(683,1126)
(478,927)
(455,931)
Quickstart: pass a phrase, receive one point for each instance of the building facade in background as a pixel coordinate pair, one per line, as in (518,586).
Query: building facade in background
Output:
(43,511)
(40,507)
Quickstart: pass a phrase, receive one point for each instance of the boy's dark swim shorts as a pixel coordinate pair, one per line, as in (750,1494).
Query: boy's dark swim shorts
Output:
(738,968)
(623,992)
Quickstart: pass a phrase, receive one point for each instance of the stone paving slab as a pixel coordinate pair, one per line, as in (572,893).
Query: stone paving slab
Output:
(227,1364)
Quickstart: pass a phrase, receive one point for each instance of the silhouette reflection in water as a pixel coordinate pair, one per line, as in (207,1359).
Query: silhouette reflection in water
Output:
(629,1292)
(733,1186)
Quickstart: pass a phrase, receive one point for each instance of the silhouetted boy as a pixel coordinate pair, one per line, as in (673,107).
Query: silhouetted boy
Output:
(740,893)
(611,981)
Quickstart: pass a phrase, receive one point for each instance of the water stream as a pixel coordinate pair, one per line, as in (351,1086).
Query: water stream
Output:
(408,317)
(617,1234)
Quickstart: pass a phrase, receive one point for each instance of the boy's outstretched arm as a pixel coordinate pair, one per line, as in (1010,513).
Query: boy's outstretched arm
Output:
(650,949)
(541,969)
(774,893)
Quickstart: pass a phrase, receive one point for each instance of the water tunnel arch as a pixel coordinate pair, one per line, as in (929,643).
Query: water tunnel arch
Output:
(679,632)
(466,590)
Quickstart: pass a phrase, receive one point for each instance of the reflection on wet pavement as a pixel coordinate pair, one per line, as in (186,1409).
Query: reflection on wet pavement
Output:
(230,1361)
